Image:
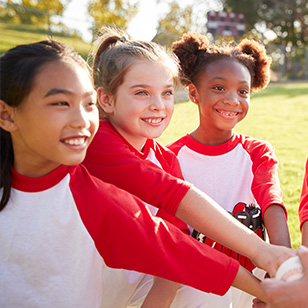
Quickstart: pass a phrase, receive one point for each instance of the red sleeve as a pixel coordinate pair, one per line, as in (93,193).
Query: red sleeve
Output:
(176,146)
(170,164)
(168,160)
(113,160)
(303,205)
(129,237)
(265,186)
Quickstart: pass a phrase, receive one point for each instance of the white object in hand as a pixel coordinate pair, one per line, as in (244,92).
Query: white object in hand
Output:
(290,270)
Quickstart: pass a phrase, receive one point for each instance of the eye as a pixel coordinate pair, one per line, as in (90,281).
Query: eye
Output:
(168,93)
(61,104)
(91,104)
(244,92)
(141,93)
(218,88)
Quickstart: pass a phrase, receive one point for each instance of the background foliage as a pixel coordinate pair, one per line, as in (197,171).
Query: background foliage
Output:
(286,20)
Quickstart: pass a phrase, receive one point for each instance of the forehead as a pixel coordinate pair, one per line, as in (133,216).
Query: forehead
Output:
(147,70)
(62,73)
(227,66)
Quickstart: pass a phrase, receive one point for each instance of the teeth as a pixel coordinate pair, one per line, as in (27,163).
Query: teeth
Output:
(153,120)
(228,113)
(78,141)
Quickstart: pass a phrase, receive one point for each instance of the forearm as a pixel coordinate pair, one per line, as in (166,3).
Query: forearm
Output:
(205,215)
(247,282)
(276,225)
(161,294)
(305,234)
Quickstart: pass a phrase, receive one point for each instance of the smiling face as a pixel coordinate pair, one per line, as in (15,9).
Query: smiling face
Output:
(143,104)
(56,122)
(222,93)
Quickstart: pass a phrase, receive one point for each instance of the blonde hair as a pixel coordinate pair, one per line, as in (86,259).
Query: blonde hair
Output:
(114,53)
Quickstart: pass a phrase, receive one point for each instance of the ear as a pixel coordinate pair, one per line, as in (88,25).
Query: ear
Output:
(6,117)
(105,100)
(193,93)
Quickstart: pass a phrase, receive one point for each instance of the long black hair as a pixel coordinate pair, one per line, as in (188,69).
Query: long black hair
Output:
(18,69)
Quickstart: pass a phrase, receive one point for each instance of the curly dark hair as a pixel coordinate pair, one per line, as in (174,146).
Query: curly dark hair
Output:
(195,52)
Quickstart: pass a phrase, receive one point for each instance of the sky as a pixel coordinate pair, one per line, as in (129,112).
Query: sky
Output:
(142,27)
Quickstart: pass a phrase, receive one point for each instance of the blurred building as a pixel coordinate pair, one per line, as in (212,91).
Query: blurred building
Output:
(226,24)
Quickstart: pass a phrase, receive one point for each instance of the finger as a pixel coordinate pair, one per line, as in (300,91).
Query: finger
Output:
(303,255)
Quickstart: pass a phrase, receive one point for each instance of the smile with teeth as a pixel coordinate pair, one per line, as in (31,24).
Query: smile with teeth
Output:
(153,120)
(227,113)
(75,141)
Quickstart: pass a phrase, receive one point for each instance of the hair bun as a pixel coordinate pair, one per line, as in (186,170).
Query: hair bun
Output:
(187,50)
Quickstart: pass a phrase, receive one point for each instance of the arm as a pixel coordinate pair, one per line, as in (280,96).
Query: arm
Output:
(305,234)
(247,282)
(163,291)
(303,209)
(204,214)
(128,236)
(267,192)
(275,222)
(161,294)
(113,160)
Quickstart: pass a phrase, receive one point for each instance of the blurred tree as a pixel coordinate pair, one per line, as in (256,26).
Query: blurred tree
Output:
(171,26)
(112,12)
(287,19)
(32,12)
(181,19)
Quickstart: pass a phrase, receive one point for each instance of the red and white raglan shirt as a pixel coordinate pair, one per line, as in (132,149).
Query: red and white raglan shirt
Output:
(58,231)
(303,205)
(239,174)
(154,175)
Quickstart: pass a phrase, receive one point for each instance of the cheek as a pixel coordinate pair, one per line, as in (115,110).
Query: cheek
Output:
(94,119)
(247,105)
(170,107)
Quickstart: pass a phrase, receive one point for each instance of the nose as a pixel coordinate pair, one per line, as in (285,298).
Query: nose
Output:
(157,103)
(231,99)
(80,118)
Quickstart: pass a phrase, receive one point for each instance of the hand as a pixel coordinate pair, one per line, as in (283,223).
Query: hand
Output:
(272,257)
(287,294)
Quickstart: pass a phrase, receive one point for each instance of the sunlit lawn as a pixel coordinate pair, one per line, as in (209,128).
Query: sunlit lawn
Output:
(278,114)
(12,35)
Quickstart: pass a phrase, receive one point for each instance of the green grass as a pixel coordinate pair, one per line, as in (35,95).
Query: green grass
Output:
(278,114)
(12,35)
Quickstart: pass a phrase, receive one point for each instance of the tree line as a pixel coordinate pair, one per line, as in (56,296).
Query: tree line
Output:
(286,20)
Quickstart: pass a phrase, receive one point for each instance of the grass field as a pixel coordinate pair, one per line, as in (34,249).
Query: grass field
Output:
(278,114)
(12,35)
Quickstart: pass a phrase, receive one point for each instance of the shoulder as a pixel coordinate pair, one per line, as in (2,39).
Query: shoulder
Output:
(106,135)
(175,146)
(166,157)
(88,189)
(253,145)
(159,148)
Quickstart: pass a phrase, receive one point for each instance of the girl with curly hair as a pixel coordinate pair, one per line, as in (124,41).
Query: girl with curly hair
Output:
(239,172)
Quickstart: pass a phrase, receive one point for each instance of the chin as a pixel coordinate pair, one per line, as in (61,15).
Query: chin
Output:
(74,161)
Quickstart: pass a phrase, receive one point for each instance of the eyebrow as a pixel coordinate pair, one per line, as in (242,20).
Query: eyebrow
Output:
(149,86)
(64,91)
(221,78)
